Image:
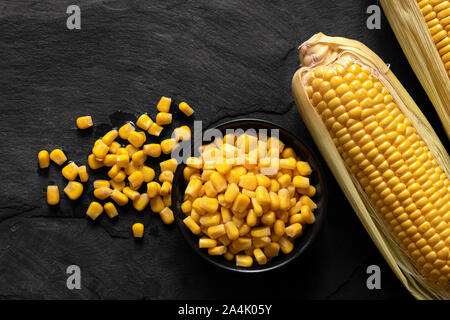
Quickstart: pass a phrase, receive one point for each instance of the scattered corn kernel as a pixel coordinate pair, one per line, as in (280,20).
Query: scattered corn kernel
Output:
(260,256)
(301,182)
(125,130)
(109,137)
(167,215)
(140,203)
(102,193)
(157,204)
(52,195)
(73,190)
(84,122)
(100,149)
(153,189)
(136,138)
(192,225)
(153,150)
(101,183)
(94,210)
(169,165)
(58,157)
(138,230)
(82,173)
(164,104)
(136,179)
(70,171)
(168,145)
(130,193)
(244,260)
(144,122)
(117,185)
(155,129)
(120,198)
(163,118)
(185,108)
(110,210)
(93,163)
(182,133)
(43,159)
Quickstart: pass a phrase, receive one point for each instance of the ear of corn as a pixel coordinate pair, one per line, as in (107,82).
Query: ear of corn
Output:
(384,155)
(422,28)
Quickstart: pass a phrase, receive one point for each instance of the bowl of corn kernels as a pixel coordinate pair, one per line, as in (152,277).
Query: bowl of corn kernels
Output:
(251,198)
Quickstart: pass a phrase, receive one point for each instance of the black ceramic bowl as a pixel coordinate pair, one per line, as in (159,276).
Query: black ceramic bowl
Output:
(309,233)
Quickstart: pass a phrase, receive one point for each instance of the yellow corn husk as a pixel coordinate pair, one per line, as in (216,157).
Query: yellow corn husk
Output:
(367,130)
(422,28)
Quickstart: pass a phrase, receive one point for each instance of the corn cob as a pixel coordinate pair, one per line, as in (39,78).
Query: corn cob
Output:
(384,154)
(422,28)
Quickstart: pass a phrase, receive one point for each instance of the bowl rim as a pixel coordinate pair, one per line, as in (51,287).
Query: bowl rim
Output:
(316,227)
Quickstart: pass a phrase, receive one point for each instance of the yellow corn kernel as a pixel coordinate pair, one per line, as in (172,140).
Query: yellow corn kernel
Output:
(82,173)
(130,193)
(73,190)
(217,251)
(242,243)
(288,153)
(167,215)
(192,225)
(223,168)
(114,147)
(125,130)
(94,210)
(140,203)
(153,189)
(94,163)
(155,129)
(206,243)
(117,185)
(284,198)
(307,201)
(225,214)
(263,180)
(284,180)
(231,230)
(272,250)
(166,188)
(301,182)
(262,195)
(209,189)
(289,163)
(261,242)
(231,192)
(70,171)
(286,245)
(138,158)
(52,195)
(99,150)
(219,182)
(144,121)
(182,133)
(168,145)
(58,157)
(120,198)
(244,260)
(136,139)
(210,205)
(157,204)
(293,230)
(84,122)
(110,160)
(257,209)
(268,218)
(194,162)
(136,179)
(163,118)
(260,256)
(149,173)
(303,168)
(169,165)
(193,188)
(101,183)
(167,199)
(274,186)
(240,204)
(307,215)
(138,230)
(123,160)
(122,150)
(215,232)
(109,138)
(102,193)
(166,176)
(252,218)
(186,207)
(131,168)
(244,229)
(110,210)
(115,169)
(185,108)
(43,159)
(164,104)
(120,176)
(260,232)
(248,181)
(153,150)
(278,227)
(210,219)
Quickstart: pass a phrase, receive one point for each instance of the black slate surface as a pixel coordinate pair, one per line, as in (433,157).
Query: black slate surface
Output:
(228,59)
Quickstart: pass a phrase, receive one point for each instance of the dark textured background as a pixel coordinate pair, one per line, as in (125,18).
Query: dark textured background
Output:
(228,59)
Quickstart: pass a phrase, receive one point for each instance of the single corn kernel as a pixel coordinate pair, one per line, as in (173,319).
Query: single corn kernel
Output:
(167,199)
(140,203)
(223,168)
(153,189)
(120,198)
(168,145)
(217,251)
(70,171)
(207,243)
(186,207)
(288,153)
(84,122)
(231,192)
(137,139)
(94,210)
(102,193)
(131,194)
(136,179)
(301,182)
(149,173)
(110,160)
(153,150)
(117,185)
(252,218)
(248,181)
(288,163)
(260,232)
(284,180)
(163,118)
(263,181)
(139,158)
(303,168)
(58,156)
(110,210)
(193,188)
(52,195)
(268,218)
(73,190)
(157,204)
(182,133)
(260,256)
(138,230)
(286,245)
(244,260)
(216,231)
(155,129)
(274,201)
(232,230)
(100,149)
(120,176)
(101,183)
(219,182)
(132,149)
(283,196)
(307,201)
(125,130)
(114,147)
(144,122)
(43,159)
(272,250)
(240,204)
(166,176)
(93,163)
(82,173)
(192,225)
(210,191)
(109,138)
(186,109)
(166,188)
(262,195)
(164,104)
(210,219)
(307,215)
(194,162)
(210,205)
(115,169)
(167,215)
(293,230)
(278,227)
(261,242)
(169,165)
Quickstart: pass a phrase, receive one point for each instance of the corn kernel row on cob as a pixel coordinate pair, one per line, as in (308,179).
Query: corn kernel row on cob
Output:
(371,132)
(422,28)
